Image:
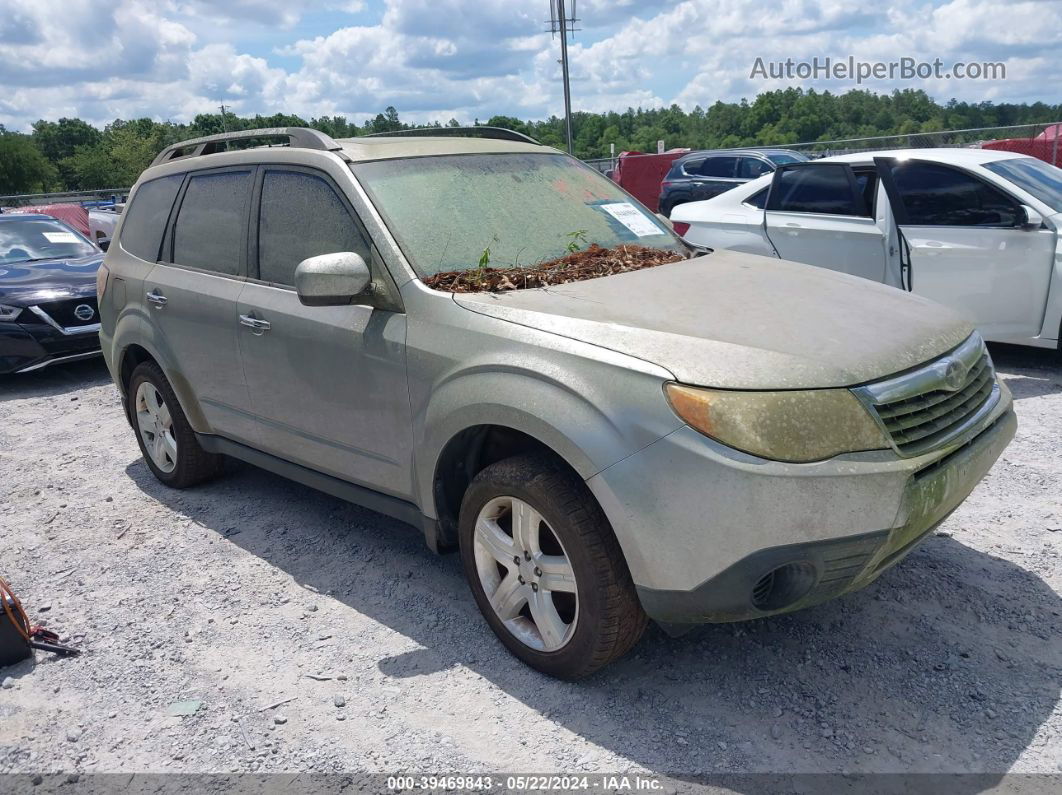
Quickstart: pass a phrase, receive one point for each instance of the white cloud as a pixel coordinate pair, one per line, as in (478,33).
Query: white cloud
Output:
(433,59)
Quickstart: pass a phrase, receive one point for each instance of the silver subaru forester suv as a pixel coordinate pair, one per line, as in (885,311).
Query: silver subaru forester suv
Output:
(720,438)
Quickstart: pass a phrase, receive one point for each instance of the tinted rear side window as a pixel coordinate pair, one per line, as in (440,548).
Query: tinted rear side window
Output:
(301,216)
(718,167)
(936,195)
(210,231)
(814,189)
(145,217)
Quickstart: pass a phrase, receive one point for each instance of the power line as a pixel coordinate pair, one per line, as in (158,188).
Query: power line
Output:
(560,22)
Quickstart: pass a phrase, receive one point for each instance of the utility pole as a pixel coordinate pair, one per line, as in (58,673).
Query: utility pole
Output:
(224,122)
(560,22)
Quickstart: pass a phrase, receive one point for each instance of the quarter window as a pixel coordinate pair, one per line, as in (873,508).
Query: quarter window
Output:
(758,199)
(936,195)
(146,216)
(301,216)
(751,167)
(210,231)
(815,189)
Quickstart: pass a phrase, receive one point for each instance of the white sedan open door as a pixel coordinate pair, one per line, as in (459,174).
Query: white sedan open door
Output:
(969,245)
(818,213)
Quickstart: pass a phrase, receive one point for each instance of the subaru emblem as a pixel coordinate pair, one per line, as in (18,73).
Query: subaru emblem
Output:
(954,375)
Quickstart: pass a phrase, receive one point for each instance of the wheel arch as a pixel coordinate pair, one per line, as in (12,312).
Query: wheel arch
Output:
(467,453)
(136,353)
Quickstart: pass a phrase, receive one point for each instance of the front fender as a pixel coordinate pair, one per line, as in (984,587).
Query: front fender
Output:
(592,415)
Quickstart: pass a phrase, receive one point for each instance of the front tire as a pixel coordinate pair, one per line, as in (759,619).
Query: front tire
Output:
(545,568)
(166,440)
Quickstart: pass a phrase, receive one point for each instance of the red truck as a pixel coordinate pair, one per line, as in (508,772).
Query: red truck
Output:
(640,174)
(1047,145)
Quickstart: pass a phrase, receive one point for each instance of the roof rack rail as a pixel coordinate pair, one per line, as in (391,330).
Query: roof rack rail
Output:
(298,138)
(499,133)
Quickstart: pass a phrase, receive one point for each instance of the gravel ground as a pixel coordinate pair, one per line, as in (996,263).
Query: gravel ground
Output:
(317,636)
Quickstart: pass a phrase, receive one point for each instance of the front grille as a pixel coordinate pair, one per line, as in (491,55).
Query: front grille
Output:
(921,410)
(64,312)
(931,415)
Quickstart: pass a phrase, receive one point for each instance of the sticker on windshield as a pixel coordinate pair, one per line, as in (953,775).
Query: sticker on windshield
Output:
(60,237)
(632,218)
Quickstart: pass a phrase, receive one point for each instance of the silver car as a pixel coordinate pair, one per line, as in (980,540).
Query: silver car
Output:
(721,438)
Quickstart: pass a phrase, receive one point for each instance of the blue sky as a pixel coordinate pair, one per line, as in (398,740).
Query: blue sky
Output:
(467,59)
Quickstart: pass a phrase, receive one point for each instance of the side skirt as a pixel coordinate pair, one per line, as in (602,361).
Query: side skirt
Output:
(394,507)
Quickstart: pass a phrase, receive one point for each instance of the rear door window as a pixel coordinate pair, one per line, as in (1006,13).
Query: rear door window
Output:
(211,227)
(821,188)
(301,216)
(718,167)
(938,195)
(144,221)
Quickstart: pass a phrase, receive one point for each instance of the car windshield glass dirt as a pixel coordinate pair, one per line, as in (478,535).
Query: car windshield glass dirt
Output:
(457,212)
(35,239)
(1042,180)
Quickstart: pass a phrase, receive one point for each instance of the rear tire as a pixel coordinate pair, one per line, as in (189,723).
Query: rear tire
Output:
(166,440)
(576,609)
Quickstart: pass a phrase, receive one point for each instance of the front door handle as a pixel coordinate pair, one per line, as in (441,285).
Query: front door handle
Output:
(156,298)
(257,325)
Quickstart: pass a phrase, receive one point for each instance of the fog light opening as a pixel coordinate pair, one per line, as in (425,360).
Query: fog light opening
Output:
(781,587)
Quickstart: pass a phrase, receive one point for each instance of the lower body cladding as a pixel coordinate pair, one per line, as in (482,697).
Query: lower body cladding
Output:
(28,346)
(712,535)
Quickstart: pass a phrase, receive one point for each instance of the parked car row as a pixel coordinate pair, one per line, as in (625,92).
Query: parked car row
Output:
(974,229)
(48,311)
(719,438)
(703,175)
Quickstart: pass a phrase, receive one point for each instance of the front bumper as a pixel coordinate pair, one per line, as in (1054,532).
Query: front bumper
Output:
(703,526)
(28,345)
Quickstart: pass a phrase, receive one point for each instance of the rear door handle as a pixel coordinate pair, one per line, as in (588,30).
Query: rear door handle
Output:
(156,298)
(256,325)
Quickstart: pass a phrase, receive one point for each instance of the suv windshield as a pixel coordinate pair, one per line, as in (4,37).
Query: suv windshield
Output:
(452,212)
(1042,180)
(40,238)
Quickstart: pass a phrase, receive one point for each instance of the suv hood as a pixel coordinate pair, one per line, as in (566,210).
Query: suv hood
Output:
(741,321)
(27,283)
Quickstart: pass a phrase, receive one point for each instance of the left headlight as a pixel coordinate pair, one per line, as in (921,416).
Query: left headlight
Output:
(9,312)
(797,426)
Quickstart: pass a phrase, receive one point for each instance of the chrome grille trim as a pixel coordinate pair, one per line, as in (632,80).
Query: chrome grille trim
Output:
(923,410)
(68,330)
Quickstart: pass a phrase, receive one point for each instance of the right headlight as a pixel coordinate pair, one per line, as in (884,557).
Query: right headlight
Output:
(9,312)
(795,426)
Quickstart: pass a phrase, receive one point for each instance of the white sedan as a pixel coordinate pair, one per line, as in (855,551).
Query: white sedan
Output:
(974,229)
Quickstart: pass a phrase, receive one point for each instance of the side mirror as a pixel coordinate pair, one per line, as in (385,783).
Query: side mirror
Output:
(331,279)
(104,243)
(1032,219)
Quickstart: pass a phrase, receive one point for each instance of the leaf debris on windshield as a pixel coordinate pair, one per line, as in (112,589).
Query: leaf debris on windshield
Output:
(592,263)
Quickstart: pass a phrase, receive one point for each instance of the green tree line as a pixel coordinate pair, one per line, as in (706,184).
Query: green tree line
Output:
(70,154)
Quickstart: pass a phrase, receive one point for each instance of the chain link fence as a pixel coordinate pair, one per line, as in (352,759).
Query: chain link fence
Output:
(1035,140)
(86,197)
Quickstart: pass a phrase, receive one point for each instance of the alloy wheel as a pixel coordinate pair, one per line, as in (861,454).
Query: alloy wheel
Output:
(525,573)
(155,424)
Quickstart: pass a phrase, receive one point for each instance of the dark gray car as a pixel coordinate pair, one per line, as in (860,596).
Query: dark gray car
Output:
(702,175)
